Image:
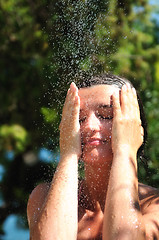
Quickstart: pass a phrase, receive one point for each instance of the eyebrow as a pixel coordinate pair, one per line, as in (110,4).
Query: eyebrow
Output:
(105,106)
(102,106)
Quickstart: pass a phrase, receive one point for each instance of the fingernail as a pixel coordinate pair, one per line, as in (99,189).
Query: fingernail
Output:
(71,84)
(124,87)
(128,86)
(134,91)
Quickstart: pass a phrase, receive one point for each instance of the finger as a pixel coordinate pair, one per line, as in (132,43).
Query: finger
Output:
(142,131)
(72,102)
(74,88)
(73,85)
(67,95)
(124,101)
(76,109)
(135,101)
(142,134)
(71,93)
(127,100)
(116,104)
(130,100)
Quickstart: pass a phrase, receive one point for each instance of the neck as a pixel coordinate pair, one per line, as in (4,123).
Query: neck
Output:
(96,180)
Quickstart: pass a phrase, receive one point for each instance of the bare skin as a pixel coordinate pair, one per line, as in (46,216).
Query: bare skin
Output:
(112,204)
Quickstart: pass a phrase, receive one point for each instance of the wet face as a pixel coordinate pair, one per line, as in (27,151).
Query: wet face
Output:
(96,116)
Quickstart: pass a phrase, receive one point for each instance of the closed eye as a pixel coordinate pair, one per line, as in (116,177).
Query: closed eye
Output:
(105,117)
(82,119)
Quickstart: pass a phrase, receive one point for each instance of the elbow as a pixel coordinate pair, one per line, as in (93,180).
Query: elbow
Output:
(39,233)
(131,230)
(43,233)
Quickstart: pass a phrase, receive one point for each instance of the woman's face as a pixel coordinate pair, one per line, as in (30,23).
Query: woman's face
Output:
(96,116)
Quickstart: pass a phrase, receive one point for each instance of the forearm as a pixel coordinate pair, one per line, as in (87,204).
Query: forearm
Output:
(58,217)
(122,216)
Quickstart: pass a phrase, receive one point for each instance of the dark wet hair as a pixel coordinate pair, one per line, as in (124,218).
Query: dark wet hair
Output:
(110,79)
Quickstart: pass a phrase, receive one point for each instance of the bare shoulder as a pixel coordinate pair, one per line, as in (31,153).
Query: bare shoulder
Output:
(147,191)
(149,204)
(149,196)
(36,200)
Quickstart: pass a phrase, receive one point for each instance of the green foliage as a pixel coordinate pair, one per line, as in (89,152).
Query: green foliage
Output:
(23,47)
(49,114)
(13,137)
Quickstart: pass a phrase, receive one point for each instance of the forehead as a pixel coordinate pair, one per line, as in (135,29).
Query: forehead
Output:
(96,95)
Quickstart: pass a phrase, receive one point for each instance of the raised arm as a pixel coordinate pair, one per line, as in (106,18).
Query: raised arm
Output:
(52,211)
(122,216)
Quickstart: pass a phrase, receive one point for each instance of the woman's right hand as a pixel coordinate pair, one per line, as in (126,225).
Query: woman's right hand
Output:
(70,139)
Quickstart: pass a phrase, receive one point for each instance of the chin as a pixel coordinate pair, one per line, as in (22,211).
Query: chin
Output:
(97,156)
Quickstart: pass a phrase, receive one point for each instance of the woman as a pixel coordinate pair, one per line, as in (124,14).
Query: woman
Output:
(100,124)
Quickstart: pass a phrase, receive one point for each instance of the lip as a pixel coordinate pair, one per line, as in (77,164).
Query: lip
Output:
(94,141)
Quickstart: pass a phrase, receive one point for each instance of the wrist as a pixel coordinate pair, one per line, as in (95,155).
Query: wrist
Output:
(70,155)
(125,150)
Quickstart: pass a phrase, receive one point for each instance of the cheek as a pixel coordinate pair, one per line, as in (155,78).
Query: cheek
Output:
(107,128)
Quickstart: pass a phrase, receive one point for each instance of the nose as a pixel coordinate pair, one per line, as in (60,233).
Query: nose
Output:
(92,123)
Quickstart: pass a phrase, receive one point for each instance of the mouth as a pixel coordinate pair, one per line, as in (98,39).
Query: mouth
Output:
(94,142)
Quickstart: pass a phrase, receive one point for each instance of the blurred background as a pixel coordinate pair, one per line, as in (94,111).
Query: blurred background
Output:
(44,45)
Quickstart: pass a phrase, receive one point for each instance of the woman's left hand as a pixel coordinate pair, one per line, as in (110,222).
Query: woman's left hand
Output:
(127,132)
